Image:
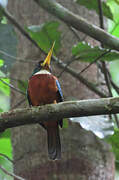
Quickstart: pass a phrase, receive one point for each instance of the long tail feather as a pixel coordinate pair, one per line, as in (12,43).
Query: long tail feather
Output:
(54,145)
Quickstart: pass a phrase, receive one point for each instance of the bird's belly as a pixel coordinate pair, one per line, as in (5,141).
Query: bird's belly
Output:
(42,89)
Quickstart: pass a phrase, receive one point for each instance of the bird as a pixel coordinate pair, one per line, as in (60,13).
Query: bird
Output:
(44,88)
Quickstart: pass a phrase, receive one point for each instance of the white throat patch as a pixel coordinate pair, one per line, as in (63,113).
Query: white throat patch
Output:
(42,72)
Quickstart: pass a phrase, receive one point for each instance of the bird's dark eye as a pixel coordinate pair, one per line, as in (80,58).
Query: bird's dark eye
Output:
(39,64)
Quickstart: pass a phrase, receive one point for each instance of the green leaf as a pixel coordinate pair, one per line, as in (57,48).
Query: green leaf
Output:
(114,141)
(1,62)
(22,85)
(87,53)
(45,34)
(4,20)
(115,30)
(1,110)
(6,149)
(93,5)
(8,167)
(114,9)
(65,123)
(117,1)
(4,102)
(1,14)
(4,93)
(5,88)
(114,70)
(6,134)
(8,43)
(5,143)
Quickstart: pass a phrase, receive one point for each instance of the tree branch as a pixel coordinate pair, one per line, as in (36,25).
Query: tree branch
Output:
(59,62)
(95,60)
(79,23)
(6,157)
(18,26)
(62,110)
(11,174)
(88,84)
(12,87)
(17,58)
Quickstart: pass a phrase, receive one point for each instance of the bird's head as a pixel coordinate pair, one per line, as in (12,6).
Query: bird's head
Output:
(45,65)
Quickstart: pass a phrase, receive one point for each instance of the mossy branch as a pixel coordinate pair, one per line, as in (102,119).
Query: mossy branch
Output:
(79,23)
(62,110)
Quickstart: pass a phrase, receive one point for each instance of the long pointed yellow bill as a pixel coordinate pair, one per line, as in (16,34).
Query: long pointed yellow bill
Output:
(48,58)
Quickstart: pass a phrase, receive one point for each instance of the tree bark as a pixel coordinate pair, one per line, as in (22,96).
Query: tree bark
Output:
(59,111)
(84,156)
(79,23)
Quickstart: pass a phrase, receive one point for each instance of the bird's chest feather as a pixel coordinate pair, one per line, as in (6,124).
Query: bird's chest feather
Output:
(42,89)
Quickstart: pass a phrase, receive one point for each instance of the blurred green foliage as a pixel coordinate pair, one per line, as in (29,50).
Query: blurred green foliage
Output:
(5,138)
(114,140)
(88,53)
(45,34)
(22,85)
(93,5)
(8,42)
(113,28)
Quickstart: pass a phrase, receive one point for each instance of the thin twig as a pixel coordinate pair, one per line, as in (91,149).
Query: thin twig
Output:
(90,85)
(116,88)
(9,77)
(17,58)
(75,33)
(11,86)
(103,54)
(101,20)
(107,80)
(106,75)
(101,14)
(71,60)
(6,157)
(116,120)
(115,26)
(114,85)
(11,174)
(19,27)
(18,104)
(79,23)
